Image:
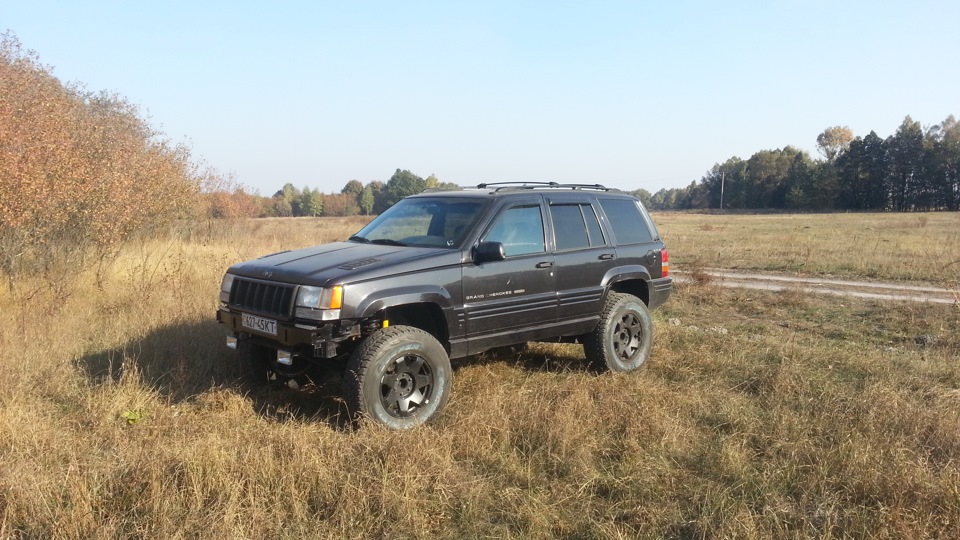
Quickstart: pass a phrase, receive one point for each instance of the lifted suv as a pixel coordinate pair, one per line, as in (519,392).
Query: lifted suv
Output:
(447,274)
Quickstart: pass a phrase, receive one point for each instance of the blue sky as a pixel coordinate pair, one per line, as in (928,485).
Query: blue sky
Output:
(629,94)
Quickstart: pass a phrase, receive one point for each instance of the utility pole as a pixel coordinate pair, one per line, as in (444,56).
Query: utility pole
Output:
(723,176)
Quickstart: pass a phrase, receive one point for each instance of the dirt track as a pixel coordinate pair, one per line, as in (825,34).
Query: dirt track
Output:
(874,290)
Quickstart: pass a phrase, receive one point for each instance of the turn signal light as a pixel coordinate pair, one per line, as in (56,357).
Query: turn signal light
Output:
(336,297)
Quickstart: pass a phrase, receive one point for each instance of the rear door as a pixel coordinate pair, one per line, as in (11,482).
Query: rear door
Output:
(583,256)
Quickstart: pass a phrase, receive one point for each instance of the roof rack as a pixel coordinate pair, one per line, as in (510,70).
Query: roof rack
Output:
(441,189)
(540,185)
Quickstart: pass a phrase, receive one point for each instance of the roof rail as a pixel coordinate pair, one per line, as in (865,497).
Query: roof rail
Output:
(540,185)
(441,189)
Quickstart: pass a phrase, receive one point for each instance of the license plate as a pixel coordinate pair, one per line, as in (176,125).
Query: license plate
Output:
(260,324)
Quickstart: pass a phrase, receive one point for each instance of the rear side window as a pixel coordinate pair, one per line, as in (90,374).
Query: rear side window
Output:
(575,226)
(628,224)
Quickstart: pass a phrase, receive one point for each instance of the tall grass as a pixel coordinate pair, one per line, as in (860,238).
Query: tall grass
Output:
(759,416)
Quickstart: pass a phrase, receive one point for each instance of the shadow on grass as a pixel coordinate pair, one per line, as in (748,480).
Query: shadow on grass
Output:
(540,357)
(184,360)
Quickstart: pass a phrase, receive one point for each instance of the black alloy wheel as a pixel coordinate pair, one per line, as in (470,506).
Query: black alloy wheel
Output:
(399,377)
(623,338)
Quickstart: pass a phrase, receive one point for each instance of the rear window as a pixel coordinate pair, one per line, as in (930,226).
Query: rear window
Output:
(627,222)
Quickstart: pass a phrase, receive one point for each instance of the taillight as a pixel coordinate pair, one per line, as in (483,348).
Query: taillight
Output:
(664,263)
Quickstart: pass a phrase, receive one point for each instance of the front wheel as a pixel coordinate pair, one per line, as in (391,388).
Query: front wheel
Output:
(624,337)
(399,377)
(257,366)
(253,363)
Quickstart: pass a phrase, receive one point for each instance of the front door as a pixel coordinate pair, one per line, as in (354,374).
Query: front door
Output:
(518,293)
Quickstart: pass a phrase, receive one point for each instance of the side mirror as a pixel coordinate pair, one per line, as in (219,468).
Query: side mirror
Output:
(488,252)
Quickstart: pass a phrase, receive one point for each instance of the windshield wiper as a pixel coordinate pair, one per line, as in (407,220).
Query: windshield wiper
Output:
(361,239)
(387,242)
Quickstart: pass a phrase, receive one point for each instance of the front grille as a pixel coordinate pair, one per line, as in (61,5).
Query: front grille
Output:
(269,298)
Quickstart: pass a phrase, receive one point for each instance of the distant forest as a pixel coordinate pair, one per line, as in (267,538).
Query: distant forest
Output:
(915,169)
(87,167)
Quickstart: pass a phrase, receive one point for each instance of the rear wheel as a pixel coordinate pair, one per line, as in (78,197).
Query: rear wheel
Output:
(624,337)
(399,377)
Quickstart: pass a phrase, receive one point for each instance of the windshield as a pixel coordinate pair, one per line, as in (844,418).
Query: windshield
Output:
(423,222)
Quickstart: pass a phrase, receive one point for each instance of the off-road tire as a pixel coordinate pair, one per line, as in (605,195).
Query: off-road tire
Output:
(253,363)
(399,377)
(623,339)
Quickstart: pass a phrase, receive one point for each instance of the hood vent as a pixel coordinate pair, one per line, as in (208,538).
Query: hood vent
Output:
(353,265)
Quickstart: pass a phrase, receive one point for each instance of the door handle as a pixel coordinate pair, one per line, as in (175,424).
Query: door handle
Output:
(607,256)
(545,264)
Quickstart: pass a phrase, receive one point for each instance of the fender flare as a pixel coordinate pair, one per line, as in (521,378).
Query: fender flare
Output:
(399,296)
(620,274)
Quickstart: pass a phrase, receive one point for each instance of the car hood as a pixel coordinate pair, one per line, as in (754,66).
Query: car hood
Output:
(343,262)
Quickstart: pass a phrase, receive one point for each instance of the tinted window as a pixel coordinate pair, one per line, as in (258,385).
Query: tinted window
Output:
(593,225)
(568,227)
(628,224)
(519,229)
(576,226)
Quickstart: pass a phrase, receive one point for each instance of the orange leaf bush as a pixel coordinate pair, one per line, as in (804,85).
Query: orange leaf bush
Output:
(80,172)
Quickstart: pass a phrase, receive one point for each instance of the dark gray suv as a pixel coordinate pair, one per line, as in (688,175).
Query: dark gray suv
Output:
(447,274)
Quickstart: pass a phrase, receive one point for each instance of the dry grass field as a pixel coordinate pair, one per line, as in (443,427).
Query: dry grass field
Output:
(759,416)
(911,247)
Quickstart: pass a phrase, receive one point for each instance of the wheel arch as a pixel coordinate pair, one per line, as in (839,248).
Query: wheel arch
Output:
(425,307)
(427,316)
(633,280)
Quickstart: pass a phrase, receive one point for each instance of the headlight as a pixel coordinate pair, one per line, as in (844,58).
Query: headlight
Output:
(225,285)
(319,303)
(309,296)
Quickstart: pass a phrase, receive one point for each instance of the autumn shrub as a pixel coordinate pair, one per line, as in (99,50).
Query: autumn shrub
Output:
(81,172)
(223,197)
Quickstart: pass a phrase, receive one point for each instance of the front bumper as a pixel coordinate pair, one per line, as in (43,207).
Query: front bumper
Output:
(322,340)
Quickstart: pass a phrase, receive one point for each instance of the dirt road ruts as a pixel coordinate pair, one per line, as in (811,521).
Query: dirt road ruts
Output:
(873,290)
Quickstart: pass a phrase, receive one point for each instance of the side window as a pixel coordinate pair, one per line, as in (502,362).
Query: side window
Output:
(569,230)
(628,224)
(519,229)
(576,226)
(593,225)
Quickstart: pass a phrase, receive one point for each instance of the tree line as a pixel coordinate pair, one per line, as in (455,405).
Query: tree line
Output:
(354,199)
(915,169)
